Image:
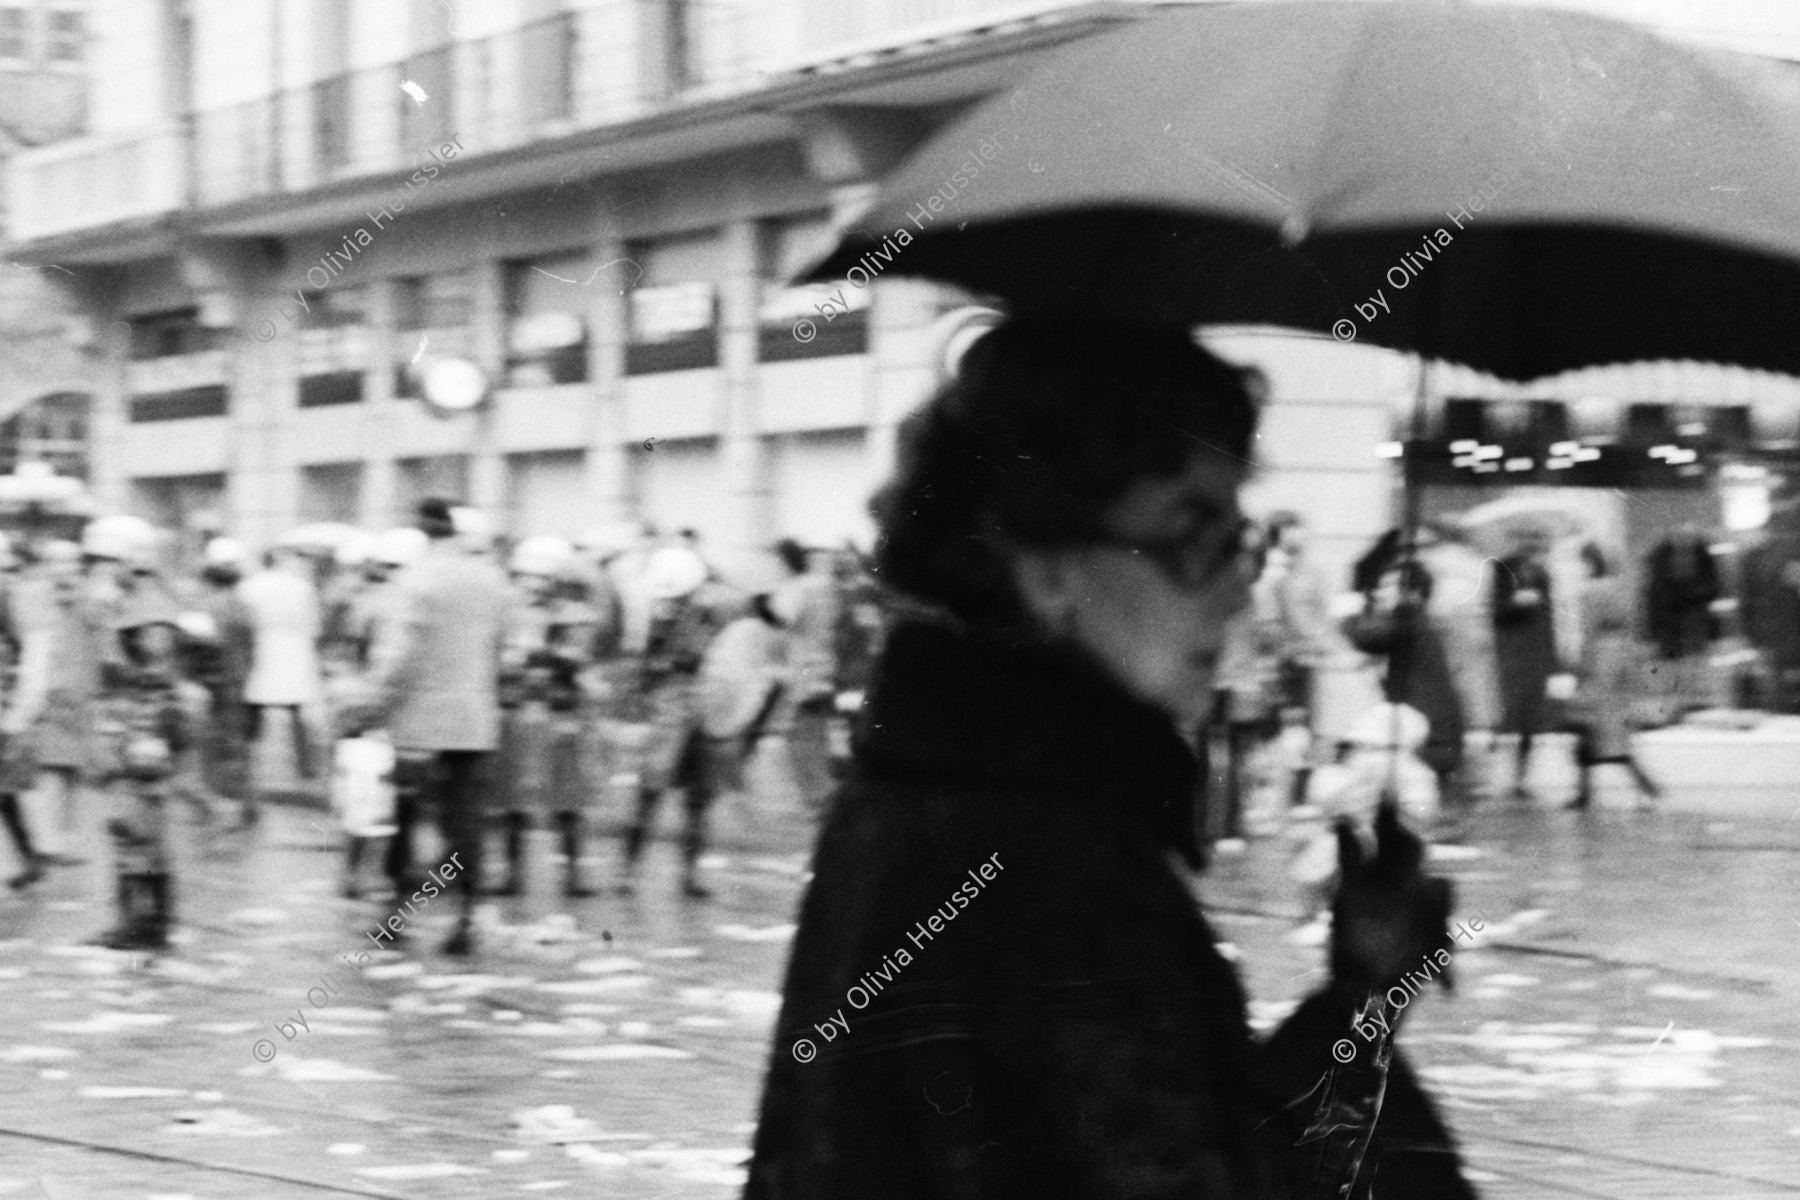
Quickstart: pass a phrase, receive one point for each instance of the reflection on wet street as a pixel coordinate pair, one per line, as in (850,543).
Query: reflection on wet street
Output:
(1624,1025)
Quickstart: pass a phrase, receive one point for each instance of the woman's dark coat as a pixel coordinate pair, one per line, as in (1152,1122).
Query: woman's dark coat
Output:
(1069,1028)
(1524,643)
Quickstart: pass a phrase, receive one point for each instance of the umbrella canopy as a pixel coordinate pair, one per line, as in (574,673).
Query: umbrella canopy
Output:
(1495,522)
(1523,191)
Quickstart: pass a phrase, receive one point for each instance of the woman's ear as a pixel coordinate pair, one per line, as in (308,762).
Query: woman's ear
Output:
(1046,587)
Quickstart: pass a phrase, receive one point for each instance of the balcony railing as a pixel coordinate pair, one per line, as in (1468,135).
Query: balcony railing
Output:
(598,65)
(95,181)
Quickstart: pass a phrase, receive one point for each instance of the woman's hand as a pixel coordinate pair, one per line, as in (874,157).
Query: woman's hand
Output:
(1389,916)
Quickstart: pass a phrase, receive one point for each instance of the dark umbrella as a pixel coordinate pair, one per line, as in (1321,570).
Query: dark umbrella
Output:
(1522,191)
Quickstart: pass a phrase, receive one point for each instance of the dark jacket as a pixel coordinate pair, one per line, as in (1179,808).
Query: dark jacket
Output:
(1067,1028)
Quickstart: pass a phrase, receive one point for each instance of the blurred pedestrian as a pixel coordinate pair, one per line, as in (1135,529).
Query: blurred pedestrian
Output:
(1682,582)
(546,697)
(143,726)
(285,626)
(26,615)
(1418,673)
(806,604)
(434,688)
(51,598)
(1460,610)
(689,613)
(1524,644)
(742,679)
(220,663)
(1301,603)
(1030,999)
(1606,680)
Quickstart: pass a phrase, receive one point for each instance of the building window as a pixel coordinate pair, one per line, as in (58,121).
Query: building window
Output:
(546,320)
(433,74)
(335,387)
(811,320)
(335,307)
(674,305)
(547,49)
(168,334)
(445,476)
(331,123)
(68,37)
(15,34)
(183,404)
(177,501)
(331,492)
(52,430)
(441,301)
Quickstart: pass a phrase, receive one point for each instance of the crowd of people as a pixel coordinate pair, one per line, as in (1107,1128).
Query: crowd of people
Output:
(1488,651)
(431,670)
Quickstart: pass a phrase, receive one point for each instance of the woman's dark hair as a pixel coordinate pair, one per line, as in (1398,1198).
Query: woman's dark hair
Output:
(1596,560)
(1049,420)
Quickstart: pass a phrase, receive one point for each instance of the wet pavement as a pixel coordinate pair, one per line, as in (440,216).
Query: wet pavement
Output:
(1625,1025)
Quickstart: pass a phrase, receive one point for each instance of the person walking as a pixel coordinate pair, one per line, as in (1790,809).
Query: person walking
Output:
(51,705)
(1606,679)
(1524,644)
(688,614)
(434,687)
(806,606)
(27,612)
(1000,928)
(285,623)
(220,663)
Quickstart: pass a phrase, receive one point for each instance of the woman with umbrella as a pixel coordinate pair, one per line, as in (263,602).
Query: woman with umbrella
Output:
(1001,985)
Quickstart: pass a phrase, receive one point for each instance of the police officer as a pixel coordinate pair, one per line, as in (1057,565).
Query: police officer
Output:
(689,609)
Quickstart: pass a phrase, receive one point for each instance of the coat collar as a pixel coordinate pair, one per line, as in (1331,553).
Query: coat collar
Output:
(947,708)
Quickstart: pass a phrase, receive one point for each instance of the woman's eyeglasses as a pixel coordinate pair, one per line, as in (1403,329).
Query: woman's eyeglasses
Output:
(1195,560)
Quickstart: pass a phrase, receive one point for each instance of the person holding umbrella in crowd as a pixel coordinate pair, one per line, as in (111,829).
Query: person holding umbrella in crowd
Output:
(1065,1024)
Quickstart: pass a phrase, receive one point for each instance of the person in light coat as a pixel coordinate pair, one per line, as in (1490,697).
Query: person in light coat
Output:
(435,688)
(285,623)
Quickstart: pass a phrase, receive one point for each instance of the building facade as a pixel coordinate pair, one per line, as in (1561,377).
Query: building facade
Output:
(46,380)
(287,213)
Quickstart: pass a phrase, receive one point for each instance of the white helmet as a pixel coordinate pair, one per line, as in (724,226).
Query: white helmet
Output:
(542,555)
(58,550)
(200,626)
(120,537)
(674,571)
(471,523)
(225,552)
(399,546)
(356,551)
